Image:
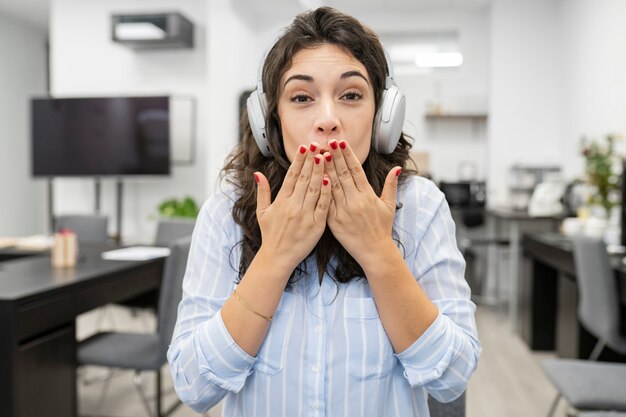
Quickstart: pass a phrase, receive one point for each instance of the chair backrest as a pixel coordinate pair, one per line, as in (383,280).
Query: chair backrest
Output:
(88,227)
(598,304)
(171,290)
(454,408)
(172,229)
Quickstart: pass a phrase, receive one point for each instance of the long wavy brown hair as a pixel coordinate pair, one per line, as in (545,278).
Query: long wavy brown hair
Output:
(321,26)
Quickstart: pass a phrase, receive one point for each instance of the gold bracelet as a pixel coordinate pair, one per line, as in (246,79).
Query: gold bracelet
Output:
(249,307)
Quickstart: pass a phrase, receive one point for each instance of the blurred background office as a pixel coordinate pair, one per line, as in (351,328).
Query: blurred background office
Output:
(500,94)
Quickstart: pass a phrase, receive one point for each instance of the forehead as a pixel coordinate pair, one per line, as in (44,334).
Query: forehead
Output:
(323,58)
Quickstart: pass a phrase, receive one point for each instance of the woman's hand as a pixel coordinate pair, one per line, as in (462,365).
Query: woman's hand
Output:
(292,225)
(359,219)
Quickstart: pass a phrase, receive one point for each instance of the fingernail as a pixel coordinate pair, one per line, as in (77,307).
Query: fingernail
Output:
(329,157)
(302,149)
(342,144)
(333,144)
(318,159)
(312,147)
(256,178)
(398,172)
(325,181)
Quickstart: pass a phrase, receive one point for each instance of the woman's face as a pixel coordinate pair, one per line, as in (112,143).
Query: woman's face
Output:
(326,94)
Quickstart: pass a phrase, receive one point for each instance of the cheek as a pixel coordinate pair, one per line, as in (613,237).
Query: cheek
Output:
(290,141)
(362,146)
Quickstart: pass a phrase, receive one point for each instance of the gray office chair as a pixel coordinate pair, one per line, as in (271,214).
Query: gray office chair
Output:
(91,228)
(171,229)
(141,351)
(454,408)
(590,385)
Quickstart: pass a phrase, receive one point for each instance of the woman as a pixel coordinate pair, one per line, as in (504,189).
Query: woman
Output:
(325,278)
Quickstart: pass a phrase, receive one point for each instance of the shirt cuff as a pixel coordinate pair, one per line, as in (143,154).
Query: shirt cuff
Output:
(429,356)
(221,360)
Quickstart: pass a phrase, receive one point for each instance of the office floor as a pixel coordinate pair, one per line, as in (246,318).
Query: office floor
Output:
(508,382)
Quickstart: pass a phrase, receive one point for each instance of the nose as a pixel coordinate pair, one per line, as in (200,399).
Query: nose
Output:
(327,121)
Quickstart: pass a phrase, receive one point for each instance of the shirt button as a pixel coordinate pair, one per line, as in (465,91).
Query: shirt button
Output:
(316,369)
(315,405)
(317,329)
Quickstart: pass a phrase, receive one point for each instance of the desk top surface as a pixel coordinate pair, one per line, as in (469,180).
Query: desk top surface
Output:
(564,245)
(32,275)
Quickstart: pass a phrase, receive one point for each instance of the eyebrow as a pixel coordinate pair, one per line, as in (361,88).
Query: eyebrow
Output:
(353,74)
(309,79)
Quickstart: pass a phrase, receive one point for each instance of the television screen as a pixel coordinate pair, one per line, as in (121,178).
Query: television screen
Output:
(105,136)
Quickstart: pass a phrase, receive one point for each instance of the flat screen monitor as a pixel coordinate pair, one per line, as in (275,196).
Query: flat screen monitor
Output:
(100,136)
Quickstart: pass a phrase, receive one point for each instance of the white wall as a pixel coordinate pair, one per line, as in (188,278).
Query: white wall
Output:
(22,75)
(234,51)
(557,74)
(526,89)
(84,61)
(594,59)
(449,143)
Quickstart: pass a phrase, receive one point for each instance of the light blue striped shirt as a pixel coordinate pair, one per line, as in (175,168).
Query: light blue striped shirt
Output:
(326,352)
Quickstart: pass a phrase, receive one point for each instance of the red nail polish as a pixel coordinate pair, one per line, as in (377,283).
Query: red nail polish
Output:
(325,181)
(398,172)
(256,178)
(329,157)
(312,147)
(302,149)
(342,144)
(333,144)
(317,159)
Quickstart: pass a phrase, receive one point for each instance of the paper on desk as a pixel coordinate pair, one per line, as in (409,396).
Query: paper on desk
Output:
(136,253)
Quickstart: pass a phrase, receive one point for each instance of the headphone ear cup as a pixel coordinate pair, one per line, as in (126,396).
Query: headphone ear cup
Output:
(389,121)
(256,106)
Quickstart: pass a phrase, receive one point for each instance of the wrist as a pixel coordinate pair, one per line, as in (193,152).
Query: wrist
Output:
(379,258)
(269,260)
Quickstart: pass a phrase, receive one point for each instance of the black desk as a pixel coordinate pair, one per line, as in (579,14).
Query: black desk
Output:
(548,298)
(38,307)
(7,254)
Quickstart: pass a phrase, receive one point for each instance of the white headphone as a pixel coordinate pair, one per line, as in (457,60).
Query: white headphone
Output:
(387,123)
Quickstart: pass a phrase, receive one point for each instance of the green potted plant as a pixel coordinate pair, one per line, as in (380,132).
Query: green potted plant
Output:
(185,208)
(601,161)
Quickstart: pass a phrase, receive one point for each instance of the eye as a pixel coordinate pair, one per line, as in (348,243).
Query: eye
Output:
(300,98)
(352,96)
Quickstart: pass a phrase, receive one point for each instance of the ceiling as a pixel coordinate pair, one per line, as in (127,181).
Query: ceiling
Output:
(265,13)
(271,12)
